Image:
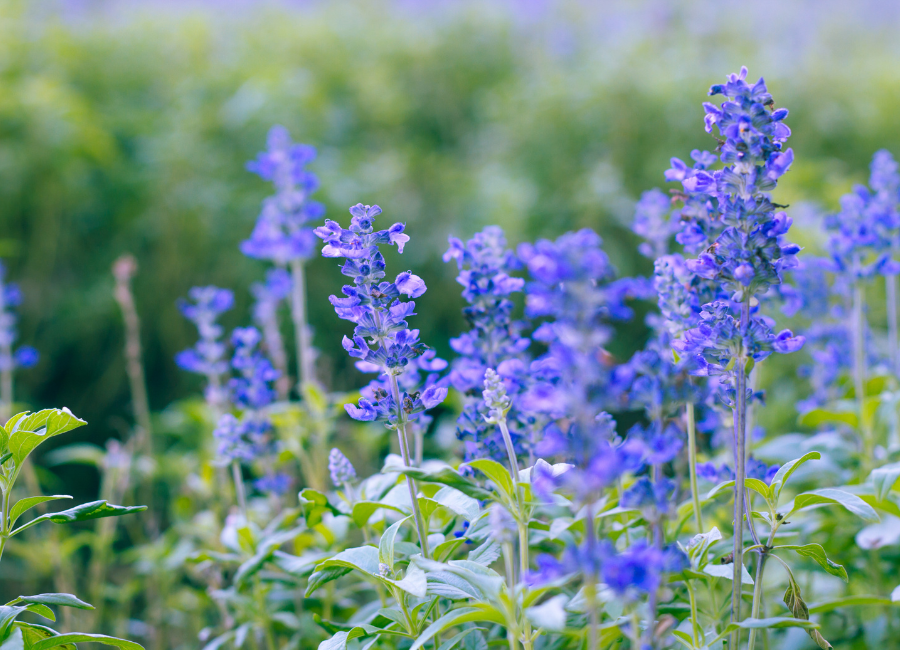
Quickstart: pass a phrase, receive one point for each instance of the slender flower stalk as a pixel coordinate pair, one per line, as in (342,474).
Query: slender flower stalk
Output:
(305,358)
(379,315)
(692,463)
(124,270)
(10,358)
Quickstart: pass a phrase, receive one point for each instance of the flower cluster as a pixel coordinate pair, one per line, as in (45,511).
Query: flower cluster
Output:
(268,296)
(281,233)
(379,314)
(494,341)
(340,468)
(25,356)
(207,357)
(655,223)
(252,388)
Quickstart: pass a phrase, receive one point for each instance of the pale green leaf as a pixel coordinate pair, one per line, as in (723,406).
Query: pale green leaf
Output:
(784,472)
(77,637)
(23,505)
(84,512)
(28,430)
(831,496)
(386,544)
(884,478)
(497,473)
(817,553)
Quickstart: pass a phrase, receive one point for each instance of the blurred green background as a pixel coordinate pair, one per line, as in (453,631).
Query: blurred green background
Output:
(125,126)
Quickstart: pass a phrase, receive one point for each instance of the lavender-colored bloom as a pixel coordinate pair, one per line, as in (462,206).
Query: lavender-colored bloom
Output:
(207,357)
(653,222)
(10,358)
(276,484)
(340,468)
(252,389)
(241,440)
(281,234)
(379,314)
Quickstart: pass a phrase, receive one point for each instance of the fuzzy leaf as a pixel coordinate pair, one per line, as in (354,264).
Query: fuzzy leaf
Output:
(446,476)
(23,505)
(457,502)
(884,479)
(362,558)
(414,582)
(497,473)
(727,571)
(386,545)
(817,417)
(60,600)
(458,617)
(817,553)
(549,615)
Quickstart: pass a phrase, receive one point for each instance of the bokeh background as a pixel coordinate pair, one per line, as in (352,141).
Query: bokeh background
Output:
(125,127)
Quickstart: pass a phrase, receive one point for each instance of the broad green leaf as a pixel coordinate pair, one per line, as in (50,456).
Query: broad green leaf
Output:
(446,476)
(884,478)
(60,600)
(28,430)
(828,496)
(471,644)
(457,502)
(817,553)
(339,641)
(774,623)
(445,549)
(497,473)
(362,558)
(759,487)
(885,505)
(549,615)
(15,641)
(458,617)
(84,512)
(699,545)
(363,511)
(785,471)
(23,505)
(847,601)
(386,545)
(76,637)
(818,417)
(42,610)
(721,487)
(684,638)
(486,553)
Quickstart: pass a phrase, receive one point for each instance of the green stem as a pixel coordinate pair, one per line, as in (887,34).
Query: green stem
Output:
(695,622)
(859,370)
(239,489)
(410,481)
(590,585)
(692,463)
(757,594)
(305,367)
(740,459)
(509,565)
(891,289)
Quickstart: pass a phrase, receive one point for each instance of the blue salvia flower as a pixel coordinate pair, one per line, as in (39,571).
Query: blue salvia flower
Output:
(281,233)
(340,468)
(655,223)
(24,356)
(241,440)
(745,252)
(494,340)
(252,388)
(573,286)
(275,483)
(207,357)
(379,313)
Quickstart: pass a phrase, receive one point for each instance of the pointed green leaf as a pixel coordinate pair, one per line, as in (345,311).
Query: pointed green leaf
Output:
(60,600)
(457,502)
(848,601)
(445,476)
(817,417)
(817,553)
(414,582)
(785,471)
(75,637)
(84,512)
(363,511)
(829,495)
(361,558)
(28,430)
(458,617)
(764,623)
(23,505)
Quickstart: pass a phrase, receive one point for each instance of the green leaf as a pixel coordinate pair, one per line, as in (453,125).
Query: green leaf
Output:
(414,582)
(386,544)
(471,644)
(84,512)
(363,511)
(446,476)
(77,637)
(497,473)
(817,553)
(785,471)
(727,571)
(884,478)
(361,558)
(818,417)
(721,487)
(60,600)
(339,640)
(775,623)
(458,617)
(759,487)
(23,505)
(314,504)
(15,641)
(27,431)
(828,496)
(486,553)
(847,601)
(795,603)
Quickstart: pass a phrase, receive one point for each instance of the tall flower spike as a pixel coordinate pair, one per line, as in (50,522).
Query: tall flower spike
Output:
(729,216)
(207,357)
(340,468)
(281,233)
(494,340)
(268,297)
(379,314)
